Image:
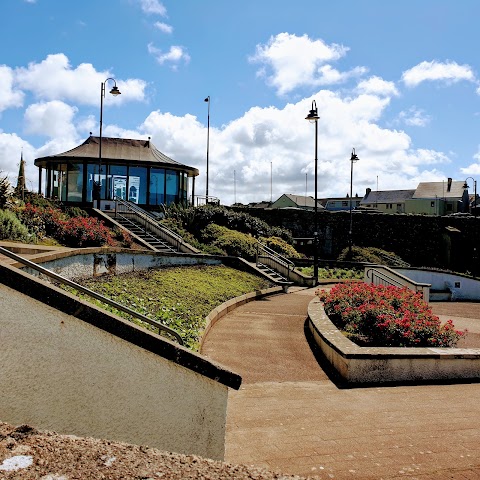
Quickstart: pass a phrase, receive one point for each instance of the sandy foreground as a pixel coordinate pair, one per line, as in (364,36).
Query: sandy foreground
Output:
(26,453)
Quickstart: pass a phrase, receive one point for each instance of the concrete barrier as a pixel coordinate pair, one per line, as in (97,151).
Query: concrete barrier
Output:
(369,365)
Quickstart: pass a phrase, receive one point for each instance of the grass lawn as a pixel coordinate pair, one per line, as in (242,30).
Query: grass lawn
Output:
(179,297)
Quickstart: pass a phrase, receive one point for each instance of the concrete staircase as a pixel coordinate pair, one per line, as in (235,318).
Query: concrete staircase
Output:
(271,273)
(135,227)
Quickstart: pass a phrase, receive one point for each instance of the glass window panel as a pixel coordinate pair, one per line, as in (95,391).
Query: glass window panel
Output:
(157,186)
(117,182)
(75,182)
(90,179)
(171,180)
(137,185)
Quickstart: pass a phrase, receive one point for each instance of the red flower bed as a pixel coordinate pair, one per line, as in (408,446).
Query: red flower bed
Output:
(84,232)
(70,231)
(377,315)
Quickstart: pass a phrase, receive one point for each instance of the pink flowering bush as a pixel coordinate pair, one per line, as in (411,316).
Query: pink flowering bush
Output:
(377,315)
(77,231)
(84,232)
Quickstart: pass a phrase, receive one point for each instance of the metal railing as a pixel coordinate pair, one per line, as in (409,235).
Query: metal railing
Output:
(91,293)
(147,221)
(274,260)
(376,276)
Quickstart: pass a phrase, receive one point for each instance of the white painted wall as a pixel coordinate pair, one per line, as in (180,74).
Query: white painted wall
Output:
(462,288)
(63,374)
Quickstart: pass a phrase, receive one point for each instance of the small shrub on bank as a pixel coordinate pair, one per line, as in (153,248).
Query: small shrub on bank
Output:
(280,246)
(11,228)
(230,241)
(376,315)
(84,232)
(334,273)
(372,255)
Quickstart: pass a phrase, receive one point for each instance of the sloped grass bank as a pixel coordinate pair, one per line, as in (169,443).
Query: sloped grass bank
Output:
(179,297)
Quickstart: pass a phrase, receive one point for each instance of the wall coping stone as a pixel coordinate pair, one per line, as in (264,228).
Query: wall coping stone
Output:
(360,365)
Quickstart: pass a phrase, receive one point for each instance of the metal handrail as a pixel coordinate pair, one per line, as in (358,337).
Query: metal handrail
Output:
(279,258)
(275,258)
(388,280)
(91,293)
(384,277)
(148,219)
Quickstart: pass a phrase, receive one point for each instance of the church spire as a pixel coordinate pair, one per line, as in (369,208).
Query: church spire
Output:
(20,190)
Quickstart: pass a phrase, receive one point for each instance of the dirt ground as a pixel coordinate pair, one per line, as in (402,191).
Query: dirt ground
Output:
(28,454)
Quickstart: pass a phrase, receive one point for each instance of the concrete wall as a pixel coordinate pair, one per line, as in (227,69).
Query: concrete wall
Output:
(94,374)
(366,365)
(92,262)
(461,287)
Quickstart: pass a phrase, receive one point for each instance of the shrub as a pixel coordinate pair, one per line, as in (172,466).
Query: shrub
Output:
(11,228)
(372,255)
(377,315)
(230,241)
(280,246)
(122,237)
(84,232)
(42,221)
(195,219)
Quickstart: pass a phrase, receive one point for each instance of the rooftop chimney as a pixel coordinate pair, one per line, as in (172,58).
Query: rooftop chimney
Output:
(449,184)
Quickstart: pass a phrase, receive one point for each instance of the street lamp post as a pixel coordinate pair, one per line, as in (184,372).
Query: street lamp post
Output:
(475,193)
(98,186)
(353,159)
(208,146)
(313,118)
(475,226)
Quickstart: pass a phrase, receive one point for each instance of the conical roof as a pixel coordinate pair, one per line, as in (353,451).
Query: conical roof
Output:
(119,150)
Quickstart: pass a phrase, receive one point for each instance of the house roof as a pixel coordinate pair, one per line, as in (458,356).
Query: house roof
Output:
(301,201)
(118,149)
(387,196)
(440,189)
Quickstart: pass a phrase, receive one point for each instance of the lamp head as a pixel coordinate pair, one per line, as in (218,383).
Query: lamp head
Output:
(115,91)
(313,114)
(465,185)
(354,157)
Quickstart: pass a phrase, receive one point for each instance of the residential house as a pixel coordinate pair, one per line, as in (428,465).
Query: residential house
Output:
(387,201)
(439,198)
(342,203)
(288,200)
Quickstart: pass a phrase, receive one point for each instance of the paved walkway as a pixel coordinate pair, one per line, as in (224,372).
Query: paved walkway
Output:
(289,416)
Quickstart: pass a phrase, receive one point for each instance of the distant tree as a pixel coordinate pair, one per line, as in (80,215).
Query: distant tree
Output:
(5,191)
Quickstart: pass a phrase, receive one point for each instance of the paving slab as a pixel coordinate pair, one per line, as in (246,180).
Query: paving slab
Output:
(289,416)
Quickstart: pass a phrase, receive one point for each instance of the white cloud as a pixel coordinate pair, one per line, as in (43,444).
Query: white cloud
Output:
(300,61)
(163,27)
(448,72)
(377,86)
(55,79)
(9,96)
(473,168)
(414,117)
(153,7)
(174,56)
(281,139)
(53,119)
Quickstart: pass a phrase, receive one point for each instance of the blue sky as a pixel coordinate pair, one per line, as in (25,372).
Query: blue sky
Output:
(397,81)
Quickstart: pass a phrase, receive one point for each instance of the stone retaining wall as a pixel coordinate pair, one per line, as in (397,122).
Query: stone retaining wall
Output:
(369,365)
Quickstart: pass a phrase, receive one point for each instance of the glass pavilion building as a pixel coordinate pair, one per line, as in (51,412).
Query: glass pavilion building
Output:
(133,170)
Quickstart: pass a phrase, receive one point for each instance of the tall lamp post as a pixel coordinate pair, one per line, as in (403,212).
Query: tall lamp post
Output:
(313,117)
(353,159)
(475,193)
(97,187)
(208,146)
